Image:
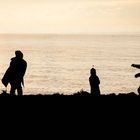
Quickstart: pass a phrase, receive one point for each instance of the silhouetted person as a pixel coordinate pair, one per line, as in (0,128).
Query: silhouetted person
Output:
(15,74)
(137,75)
(94,83)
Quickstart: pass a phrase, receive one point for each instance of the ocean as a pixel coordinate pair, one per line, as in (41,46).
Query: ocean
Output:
(62,63)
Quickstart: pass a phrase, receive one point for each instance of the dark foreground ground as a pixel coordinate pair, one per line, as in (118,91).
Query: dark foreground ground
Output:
(81,93)
(80,102)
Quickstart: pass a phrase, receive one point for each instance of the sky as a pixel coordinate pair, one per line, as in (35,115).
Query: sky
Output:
(70,16)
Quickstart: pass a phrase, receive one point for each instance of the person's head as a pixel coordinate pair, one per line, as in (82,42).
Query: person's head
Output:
(93,71)
(19,54)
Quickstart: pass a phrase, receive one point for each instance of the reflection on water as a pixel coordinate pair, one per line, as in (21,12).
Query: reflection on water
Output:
(62,63)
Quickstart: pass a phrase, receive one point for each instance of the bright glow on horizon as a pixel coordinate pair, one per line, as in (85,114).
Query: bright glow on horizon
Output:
(64,16)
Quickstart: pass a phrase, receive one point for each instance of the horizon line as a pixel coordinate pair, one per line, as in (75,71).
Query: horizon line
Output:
(111,33)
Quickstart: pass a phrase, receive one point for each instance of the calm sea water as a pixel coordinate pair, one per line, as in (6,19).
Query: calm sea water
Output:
(61,63)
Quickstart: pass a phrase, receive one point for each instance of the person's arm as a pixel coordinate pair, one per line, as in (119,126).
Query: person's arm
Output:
(23,70)
(136,66)
(98,80)
(137,75)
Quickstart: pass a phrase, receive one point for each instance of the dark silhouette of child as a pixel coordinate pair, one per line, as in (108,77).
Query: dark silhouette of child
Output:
(94,83)
(15,74)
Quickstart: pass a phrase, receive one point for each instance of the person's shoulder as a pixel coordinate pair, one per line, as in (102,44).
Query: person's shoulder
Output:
(24,61)
(97,77)
(13,59)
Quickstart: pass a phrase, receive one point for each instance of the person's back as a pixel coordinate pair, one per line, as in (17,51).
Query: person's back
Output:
(94,83)
(17,68)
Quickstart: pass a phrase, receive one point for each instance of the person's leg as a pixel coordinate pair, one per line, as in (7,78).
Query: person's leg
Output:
(98,91)
(20,91)
(13,90)
(92,91)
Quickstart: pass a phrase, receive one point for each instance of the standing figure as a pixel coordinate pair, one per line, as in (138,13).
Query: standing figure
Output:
(94,83)
(15,74)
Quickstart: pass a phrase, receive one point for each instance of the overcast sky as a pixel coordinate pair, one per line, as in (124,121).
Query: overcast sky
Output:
(69,16)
